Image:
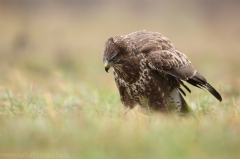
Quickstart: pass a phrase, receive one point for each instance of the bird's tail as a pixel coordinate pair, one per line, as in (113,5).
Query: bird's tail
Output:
(176,102)
(185,108)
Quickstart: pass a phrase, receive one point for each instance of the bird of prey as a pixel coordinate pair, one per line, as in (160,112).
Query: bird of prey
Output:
(150,70)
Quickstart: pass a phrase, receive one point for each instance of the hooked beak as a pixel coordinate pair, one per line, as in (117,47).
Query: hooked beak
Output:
(106,65)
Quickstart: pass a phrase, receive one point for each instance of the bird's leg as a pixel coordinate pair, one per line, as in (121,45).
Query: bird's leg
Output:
(126,110)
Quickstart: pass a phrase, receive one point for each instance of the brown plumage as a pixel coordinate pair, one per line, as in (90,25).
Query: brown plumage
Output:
(149,70)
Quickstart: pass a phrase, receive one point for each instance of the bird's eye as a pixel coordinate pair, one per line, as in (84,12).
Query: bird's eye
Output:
(114,58)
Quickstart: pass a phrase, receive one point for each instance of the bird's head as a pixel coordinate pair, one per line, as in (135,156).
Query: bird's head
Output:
(113,53)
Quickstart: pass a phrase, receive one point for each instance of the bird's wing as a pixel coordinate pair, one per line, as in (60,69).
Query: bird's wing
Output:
(161,55)
(171,63)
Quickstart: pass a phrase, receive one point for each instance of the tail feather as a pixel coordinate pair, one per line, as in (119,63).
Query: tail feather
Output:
(180,89)
(185,107)
(181,82)
(176,102)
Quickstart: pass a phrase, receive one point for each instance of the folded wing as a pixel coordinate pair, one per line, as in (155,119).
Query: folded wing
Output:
(163,56)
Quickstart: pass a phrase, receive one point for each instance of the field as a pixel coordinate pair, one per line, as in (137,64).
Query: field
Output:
(57,101)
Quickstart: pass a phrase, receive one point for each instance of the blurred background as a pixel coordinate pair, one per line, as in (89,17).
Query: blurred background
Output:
(55,95)
(41,40)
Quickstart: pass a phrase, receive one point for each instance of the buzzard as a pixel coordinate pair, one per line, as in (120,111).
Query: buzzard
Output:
(149,70)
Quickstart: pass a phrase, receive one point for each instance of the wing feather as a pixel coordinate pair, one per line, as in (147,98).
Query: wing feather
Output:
(161,55)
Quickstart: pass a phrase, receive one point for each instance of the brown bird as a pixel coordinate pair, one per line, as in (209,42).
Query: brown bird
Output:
(149,70)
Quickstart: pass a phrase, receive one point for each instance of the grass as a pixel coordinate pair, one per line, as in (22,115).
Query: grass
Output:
(56,101)
(62,114)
